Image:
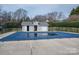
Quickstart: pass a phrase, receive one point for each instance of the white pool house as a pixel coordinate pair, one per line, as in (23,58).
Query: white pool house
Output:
(34,26)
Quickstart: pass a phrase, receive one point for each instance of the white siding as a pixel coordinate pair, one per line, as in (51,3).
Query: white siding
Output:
(31,28)
(24,28)
(42,28)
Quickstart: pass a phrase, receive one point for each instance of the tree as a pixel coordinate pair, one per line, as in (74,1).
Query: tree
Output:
(77,11)
(10,16)
(52,16)
(74,14)
(55,16)
(27,19)
(40,18)
(74,11)
(4,16)
(20,14)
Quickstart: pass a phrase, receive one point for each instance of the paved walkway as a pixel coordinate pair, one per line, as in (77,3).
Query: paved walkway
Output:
(41,47)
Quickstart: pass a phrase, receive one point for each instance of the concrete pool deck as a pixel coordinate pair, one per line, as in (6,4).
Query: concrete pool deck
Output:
(64,46)
(6,34)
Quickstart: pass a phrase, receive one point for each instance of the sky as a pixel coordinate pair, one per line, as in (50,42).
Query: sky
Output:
(41,9)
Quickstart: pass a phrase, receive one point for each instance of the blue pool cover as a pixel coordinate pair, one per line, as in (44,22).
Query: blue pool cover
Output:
(38,35)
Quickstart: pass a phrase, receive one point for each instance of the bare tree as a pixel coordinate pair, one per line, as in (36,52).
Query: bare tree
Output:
(40,18)
(20,14)
(4,16)
(54,16)
(51,17)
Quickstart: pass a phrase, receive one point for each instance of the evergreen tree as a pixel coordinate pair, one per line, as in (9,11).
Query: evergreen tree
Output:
(72,12)
(75,11)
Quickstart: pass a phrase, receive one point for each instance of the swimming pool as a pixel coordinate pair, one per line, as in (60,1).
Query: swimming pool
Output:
(38,35)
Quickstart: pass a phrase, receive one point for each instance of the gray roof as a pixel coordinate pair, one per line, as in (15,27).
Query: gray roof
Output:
(32,23)
(27,23)
(43,23)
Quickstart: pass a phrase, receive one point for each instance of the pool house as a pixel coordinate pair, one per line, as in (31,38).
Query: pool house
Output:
(34,26)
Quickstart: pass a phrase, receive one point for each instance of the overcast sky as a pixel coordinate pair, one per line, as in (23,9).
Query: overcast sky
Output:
(41,9)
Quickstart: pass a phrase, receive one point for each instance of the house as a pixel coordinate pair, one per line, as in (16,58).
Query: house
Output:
(34,26)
